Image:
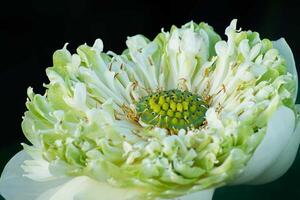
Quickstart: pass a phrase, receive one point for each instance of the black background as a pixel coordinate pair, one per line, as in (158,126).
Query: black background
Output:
(30,31)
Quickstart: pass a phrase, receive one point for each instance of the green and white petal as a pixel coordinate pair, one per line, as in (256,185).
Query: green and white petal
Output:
(284,160)
(174,117)
(263,166)
(280,132)
(14,185)
(85,188)
(202,195)
(287,53)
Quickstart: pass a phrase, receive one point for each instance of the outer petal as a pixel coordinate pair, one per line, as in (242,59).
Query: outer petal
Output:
(15,186)
(280,134)
(85,188)
(202,195)
(284,160)
(285,50)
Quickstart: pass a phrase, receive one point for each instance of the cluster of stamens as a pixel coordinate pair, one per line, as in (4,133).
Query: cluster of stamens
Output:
(173,109)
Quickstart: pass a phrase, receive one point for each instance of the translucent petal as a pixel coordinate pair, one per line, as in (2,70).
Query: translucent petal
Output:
(286,52)
(202,195)
(85,188)
(280,131)
(98,45)
(284,160)
(15,186)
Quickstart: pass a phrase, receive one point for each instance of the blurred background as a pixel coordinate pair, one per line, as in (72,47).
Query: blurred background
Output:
(30,31)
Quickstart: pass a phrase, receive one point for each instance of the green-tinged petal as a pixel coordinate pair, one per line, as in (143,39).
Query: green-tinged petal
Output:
(287,53)
(285,158)
(127,126)
(280,130)
(213,37)
(85,188)
(15,186)
(202,195)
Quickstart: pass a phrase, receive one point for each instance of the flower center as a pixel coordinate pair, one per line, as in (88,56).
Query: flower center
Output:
(172,109)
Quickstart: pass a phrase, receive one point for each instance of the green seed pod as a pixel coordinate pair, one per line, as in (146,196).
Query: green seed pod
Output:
(173,109)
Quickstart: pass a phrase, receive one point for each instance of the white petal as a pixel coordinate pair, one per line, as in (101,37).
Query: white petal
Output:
(221,48)
(15,186)
(78,100)
(287,53)
(136,42)
(191,42)
(37,170)
(279,132)
(98,45)
(85,188)
(202,195)
(284,160)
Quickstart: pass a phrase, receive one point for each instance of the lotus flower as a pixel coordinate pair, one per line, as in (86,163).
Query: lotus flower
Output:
(176,117)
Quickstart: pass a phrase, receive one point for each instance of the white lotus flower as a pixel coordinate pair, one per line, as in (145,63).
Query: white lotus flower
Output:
(178,116)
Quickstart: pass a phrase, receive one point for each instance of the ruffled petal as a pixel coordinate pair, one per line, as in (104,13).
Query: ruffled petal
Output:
(280,134)
(15,186)
(287,53)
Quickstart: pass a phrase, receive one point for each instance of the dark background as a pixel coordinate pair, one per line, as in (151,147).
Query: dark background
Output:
(30,31)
